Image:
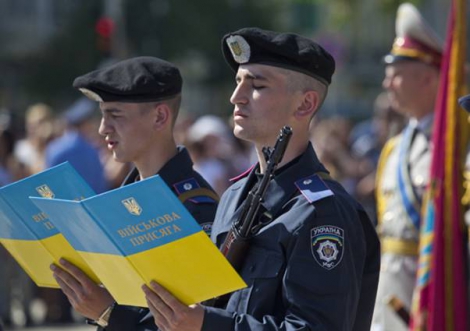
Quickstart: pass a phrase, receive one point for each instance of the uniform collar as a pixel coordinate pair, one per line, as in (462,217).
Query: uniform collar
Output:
(178,167)
(424,124)
(282,187)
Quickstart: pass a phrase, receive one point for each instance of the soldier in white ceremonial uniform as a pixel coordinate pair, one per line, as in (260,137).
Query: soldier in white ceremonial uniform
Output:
(411,81)
(465,103)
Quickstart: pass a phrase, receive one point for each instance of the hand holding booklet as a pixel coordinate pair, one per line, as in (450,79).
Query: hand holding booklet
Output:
(141,232)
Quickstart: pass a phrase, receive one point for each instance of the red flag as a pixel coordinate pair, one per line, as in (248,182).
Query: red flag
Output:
(440,301)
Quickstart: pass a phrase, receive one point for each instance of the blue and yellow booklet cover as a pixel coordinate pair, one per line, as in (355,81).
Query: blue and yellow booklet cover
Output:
(142,232)
(28,234)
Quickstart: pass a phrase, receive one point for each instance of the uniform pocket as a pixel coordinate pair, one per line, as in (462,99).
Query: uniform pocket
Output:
(265,265)
(263,274)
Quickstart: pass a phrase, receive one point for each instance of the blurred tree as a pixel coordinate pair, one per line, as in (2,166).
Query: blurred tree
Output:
(48,75)
(392,5)
(185,30)
(343,10)
(305,16)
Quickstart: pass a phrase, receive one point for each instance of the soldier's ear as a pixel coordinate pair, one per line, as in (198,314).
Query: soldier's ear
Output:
(308,104)
(162,115)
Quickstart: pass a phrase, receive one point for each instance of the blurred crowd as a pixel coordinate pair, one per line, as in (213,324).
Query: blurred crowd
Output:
(350,150)
(45,139)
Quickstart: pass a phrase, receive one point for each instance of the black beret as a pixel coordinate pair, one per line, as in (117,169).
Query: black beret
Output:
(465,102)
(284,50)
(139,79)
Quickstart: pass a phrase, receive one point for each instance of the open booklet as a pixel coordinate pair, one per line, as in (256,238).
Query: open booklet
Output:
(28,234)
(142,232)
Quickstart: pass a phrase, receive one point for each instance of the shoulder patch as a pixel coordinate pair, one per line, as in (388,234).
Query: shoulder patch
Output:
(207,228)
(243,174)
(313,188)
(327,245)
(191,184)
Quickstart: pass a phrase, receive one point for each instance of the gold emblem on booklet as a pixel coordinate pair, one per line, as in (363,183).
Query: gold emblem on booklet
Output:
(132,206)
(45,191)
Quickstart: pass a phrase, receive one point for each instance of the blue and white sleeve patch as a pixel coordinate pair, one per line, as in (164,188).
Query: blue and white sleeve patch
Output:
(207,228)
(313,188)
(189,185)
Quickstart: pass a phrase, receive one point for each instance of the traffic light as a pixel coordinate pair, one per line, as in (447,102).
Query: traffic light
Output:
(104,28)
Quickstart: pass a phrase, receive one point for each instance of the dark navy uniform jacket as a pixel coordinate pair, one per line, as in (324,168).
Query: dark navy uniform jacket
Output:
(314,266)
(200,200)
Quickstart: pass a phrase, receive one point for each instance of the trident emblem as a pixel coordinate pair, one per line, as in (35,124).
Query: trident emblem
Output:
(132,206)
(45,191)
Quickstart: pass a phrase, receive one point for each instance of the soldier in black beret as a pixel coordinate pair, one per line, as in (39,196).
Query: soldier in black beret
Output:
(313,263)
(139,100)
(465,102)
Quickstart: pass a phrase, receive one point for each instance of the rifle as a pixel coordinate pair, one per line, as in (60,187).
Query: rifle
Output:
(236,243)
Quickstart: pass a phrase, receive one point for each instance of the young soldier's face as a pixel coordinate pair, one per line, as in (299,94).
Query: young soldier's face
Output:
(127,130)
(262,103)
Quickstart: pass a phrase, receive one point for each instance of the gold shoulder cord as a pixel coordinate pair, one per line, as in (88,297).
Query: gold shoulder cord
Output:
(384,155)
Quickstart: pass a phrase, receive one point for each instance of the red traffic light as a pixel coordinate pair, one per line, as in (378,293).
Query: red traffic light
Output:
(104,27)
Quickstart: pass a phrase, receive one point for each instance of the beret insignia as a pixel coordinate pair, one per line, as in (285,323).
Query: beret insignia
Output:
(240,48)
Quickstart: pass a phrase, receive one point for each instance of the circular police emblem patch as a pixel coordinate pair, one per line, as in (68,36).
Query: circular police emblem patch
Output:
(327,245)
(187,186)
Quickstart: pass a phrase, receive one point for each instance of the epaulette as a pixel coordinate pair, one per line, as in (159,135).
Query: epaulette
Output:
(313,188)
(242,175)
(190,189)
